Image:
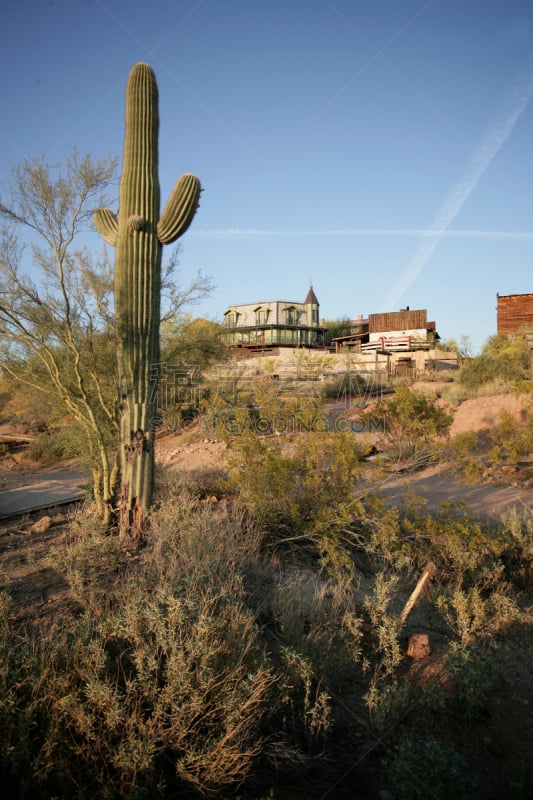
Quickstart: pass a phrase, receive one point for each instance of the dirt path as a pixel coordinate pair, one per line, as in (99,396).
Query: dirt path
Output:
(435,486)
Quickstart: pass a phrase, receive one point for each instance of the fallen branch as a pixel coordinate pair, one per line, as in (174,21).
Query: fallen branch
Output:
(425,578)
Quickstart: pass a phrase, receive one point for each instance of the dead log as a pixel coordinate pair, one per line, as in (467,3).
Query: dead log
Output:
(423,583)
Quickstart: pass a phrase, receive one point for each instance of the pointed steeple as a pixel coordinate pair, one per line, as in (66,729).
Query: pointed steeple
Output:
(311,298)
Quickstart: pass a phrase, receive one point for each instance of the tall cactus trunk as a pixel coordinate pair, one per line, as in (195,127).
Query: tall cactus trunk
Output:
(137,298)
(138,235)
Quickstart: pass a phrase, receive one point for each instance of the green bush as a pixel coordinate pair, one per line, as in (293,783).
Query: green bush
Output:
(502,359)
(301,493)
(517,535)
(412,421)
(202,483)
(473,616)
(465,552)
(511,438)
(424,768)
(53,446)
(465,457)
(348,385)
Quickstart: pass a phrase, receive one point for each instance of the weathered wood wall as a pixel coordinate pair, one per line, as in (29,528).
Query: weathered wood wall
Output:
(515,311)
(397,320)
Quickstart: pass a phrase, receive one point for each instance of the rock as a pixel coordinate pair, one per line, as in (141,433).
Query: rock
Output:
(418,646)
(384,794)
(508,469)
(41,525)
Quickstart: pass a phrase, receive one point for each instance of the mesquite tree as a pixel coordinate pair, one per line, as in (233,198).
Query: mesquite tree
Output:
(56,320)
(138,234)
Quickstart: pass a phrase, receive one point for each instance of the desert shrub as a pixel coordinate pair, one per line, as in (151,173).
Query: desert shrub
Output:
(471,615)
(349,384)
(385,625)
(202,483)
(207,544)
(465,457)
(502,359)
(318,618)
(517,535)
(464,551)
(388,702)
(422,768)
(177,417)
(411,421)
(301,493)
(455,393)
(379,537)
(306,703)
(92,560)
(53,445)
(486,369)
(236,407)
(163,685)
(25,408)
(227,408)
(511,438)
(470,677)
(469,454)
(339,653)
(161,677)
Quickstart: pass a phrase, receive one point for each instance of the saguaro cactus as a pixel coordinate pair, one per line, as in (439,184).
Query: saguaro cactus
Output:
(138,234)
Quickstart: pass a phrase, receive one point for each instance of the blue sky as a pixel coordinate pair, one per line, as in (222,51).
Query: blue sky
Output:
(382,149)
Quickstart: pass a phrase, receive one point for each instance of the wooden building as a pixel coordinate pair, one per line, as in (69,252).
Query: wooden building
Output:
(273,324)
(514,313)
(392,331)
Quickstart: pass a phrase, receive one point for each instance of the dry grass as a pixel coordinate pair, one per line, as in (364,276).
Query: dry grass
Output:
(215,649)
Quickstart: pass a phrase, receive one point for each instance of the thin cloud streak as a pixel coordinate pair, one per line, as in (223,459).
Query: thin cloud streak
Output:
(481,159)
(422,233)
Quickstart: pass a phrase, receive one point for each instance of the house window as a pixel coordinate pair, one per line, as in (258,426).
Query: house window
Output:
(290,316)
(231,319)
(261,316)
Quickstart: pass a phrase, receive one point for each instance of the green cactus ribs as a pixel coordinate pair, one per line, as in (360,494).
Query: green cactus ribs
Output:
(138,234)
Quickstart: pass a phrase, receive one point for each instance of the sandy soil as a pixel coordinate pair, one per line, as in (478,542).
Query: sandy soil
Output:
(499,491)
(482,413)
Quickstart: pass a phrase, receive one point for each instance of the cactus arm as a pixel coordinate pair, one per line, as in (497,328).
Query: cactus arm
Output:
(180,209)
(106,224)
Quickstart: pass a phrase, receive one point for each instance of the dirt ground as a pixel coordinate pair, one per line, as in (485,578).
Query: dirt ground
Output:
(37,588)
(502,743)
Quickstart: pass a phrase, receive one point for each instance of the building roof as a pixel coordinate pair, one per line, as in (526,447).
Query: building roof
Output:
(311,297)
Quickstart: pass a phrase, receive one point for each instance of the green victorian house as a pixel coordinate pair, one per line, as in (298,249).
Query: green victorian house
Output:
(274,324)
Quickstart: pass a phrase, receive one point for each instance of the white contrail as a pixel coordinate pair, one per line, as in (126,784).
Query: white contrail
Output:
(483,155)
(417,233)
